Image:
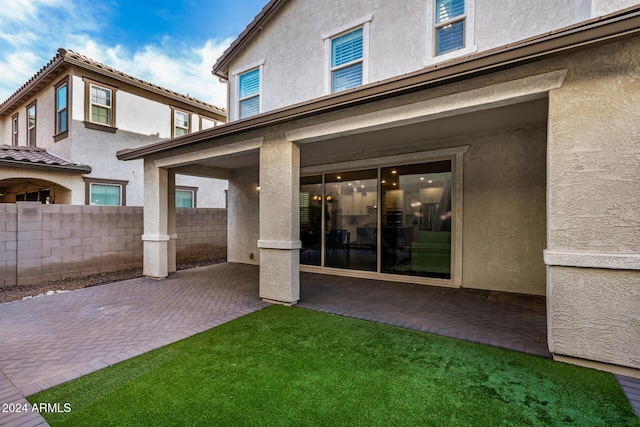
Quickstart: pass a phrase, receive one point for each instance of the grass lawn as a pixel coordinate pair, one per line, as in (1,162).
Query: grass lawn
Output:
(293,367)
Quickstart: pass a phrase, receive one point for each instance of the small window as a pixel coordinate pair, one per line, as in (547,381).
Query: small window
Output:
(62,122)
(185,199)
(31,125)
(450,25)
(180,123)
(249,98)
(14,129)
(106,195)
(347,55)
(100,100)
(99,106)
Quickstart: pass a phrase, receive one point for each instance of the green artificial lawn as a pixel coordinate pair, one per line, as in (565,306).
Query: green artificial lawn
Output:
(293,367)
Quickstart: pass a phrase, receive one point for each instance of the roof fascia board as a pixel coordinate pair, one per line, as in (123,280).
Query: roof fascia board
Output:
(590,34)
(246,36)
(43,166)
(142,85)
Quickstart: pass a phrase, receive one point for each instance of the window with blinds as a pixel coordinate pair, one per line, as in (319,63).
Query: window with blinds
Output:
(249,93)
(450,25)
(346,60)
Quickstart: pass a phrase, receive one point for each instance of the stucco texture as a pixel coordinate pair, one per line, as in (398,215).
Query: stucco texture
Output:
(594,153)
(504,211)
(595,315)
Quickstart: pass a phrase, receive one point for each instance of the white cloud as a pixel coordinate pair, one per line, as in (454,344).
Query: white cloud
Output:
(31,31)
(186,72)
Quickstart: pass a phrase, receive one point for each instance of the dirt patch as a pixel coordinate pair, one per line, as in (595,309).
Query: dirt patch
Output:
(13,293)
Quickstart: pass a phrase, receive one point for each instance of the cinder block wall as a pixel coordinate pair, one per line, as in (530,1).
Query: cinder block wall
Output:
(202,234)
(48,242)
(8,244)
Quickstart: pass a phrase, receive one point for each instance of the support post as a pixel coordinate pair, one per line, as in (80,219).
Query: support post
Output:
(279,222)
(155,237)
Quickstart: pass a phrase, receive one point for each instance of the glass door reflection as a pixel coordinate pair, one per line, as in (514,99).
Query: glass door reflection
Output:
(311,219)
(351,220)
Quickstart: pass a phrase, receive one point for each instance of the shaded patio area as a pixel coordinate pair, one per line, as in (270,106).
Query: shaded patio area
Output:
(511,321)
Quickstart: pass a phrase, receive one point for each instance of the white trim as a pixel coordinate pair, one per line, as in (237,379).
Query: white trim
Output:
(469,34)
(280,244)
(246,68)
(498,95)
(347,27)
(156,237)
(234,82)
(592,260)
(364,23)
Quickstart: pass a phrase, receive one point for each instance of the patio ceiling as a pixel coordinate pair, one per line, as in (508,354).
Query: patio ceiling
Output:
(512,116)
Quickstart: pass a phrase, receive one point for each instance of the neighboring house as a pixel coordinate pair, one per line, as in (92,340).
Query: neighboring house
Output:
(60,131)
(460,143)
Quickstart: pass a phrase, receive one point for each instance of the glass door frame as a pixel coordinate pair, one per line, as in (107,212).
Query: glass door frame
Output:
(453,154)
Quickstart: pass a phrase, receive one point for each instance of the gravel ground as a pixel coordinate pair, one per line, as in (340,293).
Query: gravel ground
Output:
(13,293)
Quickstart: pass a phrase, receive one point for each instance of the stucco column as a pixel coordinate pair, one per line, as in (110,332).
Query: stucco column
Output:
(171,221)
(155,237)
(279,222)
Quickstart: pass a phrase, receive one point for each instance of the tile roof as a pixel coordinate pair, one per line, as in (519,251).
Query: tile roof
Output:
(37,158)
(65,58)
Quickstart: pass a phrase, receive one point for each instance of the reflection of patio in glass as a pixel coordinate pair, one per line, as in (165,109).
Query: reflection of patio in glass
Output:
(412,228)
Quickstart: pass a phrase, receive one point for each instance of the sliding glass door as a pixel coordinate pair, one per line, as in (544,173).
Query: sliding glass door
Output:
(392,220)
(351,220)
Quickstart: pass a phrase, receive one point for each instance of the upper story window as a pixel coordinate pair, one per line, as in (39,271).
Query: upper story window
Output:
(181,123)
(249,93)
(14,129)
(347,55)
(449,25)
(62,115)
(100,100)
(452,29)
(100,106)
(31,125)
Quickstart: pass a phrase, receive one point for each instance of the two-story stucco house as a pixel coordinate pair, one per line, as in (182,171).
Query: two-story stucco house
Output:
(462,143)
(60,131)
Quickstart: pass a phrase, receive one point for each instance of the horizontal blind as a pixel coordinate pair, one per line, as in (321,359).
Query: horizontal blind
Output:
(347,77)
(250,83)
(448,9)
(249,107)
(346,48)
(450,37)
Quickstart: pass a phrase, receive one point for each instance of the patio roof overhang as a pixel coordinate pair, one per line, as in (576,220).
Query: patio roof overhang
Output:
(591,33)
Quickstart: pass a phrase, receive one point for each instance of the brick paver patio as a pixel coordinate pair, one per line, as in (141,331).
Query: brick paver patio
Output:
(49,340)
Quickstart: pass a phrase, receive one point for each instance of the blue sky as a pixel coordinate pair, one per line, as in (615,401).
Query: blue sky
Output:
(169,43)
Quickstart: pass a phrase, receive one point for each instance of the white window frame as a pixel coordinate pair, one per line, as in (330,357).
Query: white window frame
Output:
(32,140)
(109,107)
(235,75)
(175,126)
(469,33)
(187,190)
(363,23)
(14,129)
(91,184)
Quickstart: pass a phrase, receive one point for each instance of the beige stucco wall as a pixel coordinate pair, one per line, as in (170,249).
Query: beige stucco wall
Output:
(594,194)
(595,314)
(244,217)
(504,232)
(284,39)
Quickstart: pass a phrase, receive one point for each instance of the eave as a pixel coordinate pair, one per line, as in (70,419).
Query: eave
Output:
(592,33)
